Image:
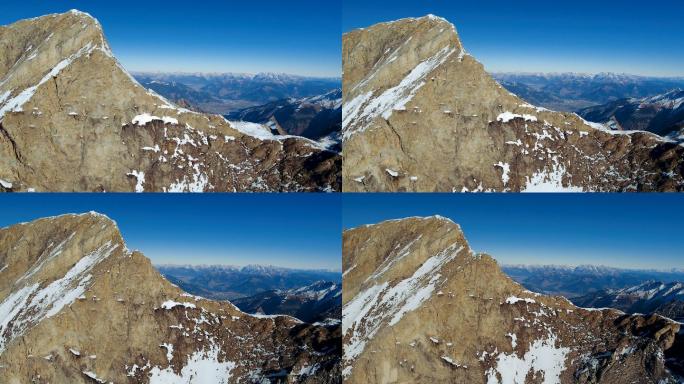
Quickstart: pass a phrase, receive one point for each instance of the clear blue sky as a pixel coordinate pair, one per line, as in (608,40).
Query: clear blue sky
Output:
(299,37)
(290,230)
(621,230)
(551,36)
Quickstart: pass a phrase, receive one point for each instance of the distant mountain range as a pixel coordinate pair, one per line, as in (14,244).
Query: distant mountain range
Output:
(318,302)
(666,299)
(577,281)
(224,93)
(573,91)
(661,114)
(222,282)
(316,117)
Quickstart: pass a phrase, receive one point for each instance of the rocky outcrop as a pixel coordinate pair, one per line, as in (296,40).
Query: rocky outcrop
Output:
(76,306)
(72,119)
(420,306)
(420,114)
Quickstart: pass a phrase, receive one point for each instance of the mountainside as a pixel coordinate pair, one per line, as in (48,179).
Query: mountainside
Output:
(76,306)
(661,114)
(220,282)
(67,104)
(313,117)
(225,93)
(572,91)
(420,114)
(651,296)
(577,281)
(318,302)
(420,306)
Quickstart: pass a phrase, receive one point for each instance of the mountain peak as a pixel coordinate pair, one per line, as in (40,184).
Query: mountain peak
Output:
(72,276)
(425,311)
(420,115)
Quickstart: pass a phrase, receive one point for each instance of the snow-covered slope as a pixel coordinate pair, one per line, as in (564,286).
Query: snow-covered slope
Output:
(77,306)
(420,306)
(67,103)
(421,114)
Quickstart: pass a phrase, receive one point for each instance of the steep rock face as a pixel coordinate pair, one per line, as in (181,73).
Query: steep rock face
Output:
(420,306)
(76,306)
(72,119)
(420,114)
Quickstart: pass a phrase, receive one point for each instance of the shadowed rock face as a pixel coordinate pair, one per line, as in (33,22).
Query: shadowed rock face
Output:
(72,119)
(420,306)
(420,114)
(76,306)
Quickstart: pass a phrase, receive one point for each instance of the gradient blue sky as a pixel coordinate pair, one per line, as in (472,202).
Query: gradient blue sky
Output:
(621,230)
(298,37)
(550,36)
(290,230)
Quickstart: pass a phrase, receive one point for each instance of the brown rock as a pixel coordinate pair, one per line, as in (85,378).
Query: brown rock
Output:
(72,119)
(420,114)
(421,307)
(77,306)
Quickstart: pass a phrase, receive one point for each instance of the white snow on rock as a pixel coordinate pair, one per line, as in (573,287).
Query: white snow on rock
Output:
(6,184)
(140,177)
(253,129)
(170,304)
(453,362)
(383,305)
(30,304)
(508,116)
(391,172)
(15,104)
(145,118)
(202,367)
(549,181)
(169,350)
(515,299)
(505,168)
(543,359)
(93,376)
(364,107)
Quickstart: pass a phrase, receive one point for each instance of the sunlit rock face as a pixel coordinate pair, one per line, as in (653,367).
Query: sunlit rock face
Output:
(419,306)
(72,119)
(420,114)
(76,306)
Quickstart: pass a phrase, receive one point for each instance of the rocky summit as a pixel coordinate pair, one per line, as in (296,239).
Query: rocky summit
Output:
(76,306)
(419,306)
(72,119)
(420,114)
